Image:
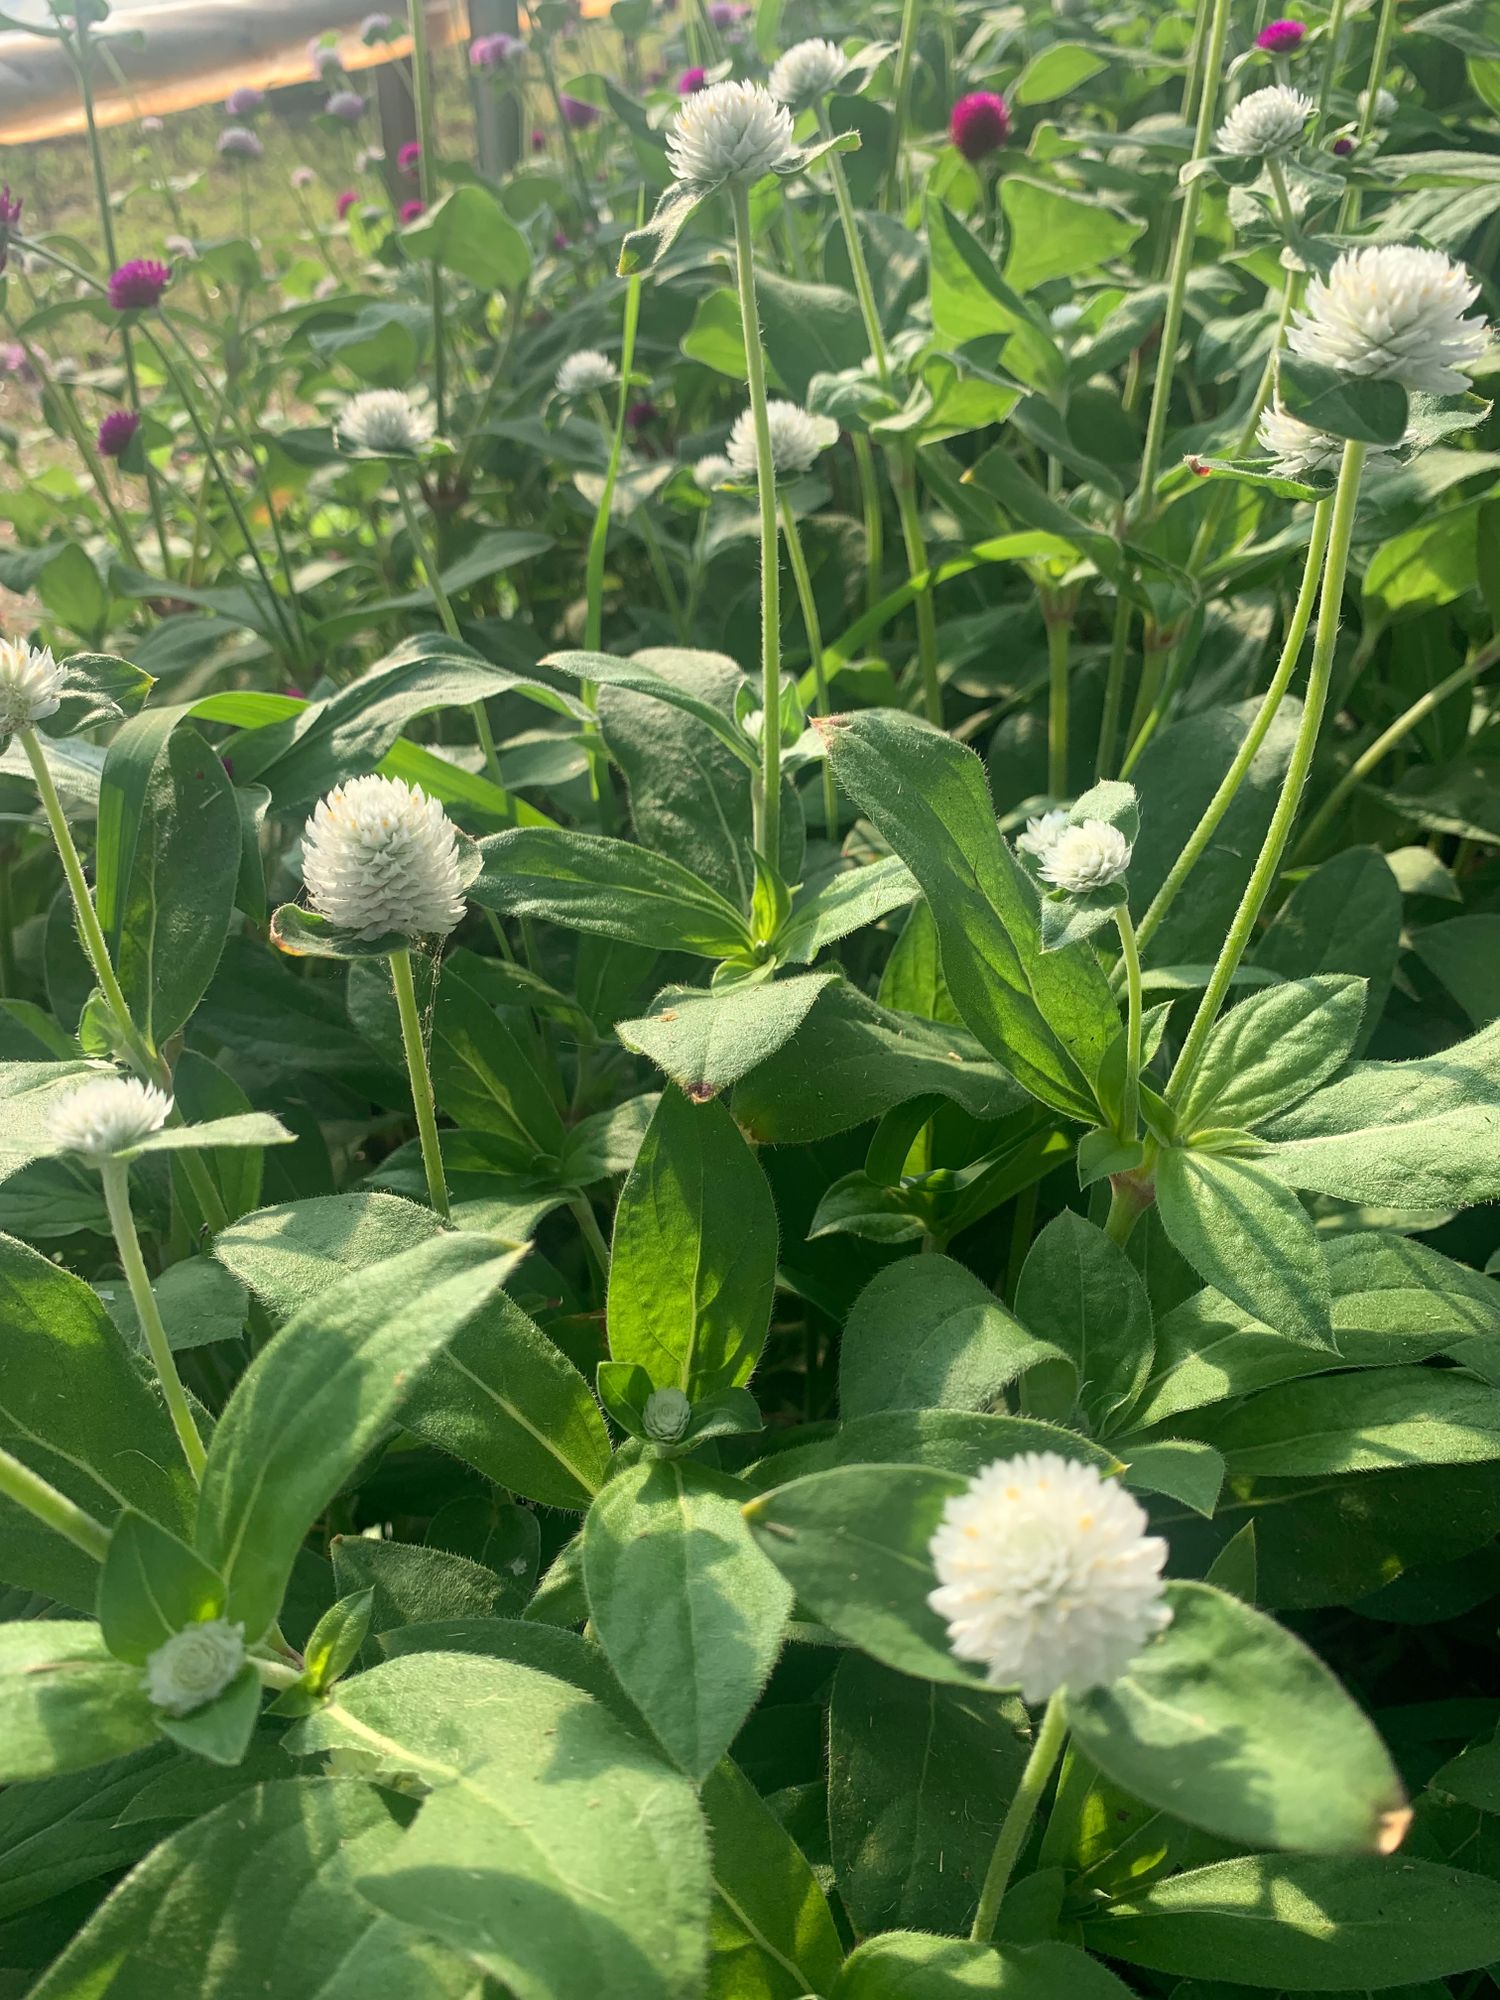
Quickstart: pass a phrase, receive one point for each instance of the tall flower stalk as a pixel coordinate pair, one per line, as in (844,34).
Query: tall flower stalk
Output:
(421,69)
(424,1103)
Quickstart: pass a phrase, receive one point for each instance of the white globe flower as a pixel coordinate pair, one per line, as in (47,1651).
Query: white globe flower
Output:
(107,1115)
(1045,1574)
(1063,318)
(1297,448)
(195,1664)
(383,420)
(31,685)
(797,437)
(1266,122)
(1040,836)
(806,74)
(585,373)
(379,856)
(666,1415)
(1385,106)
(1087,856)
(1393,311)
(730,132)
(712,471)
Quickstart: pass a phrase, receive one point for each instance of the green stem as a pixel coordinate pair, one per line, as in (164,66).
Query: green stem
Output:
(421,1081)
(1265,715)
(1130,958)
(1045,1751)
(904,479)
(582,1212)
(809,604)
(447,617)
(1380,57)
(859,265)
(84,445)
(421,71)
(1263,876)
(1059,634)
(115,1175)
(1130,1196)
(1333,35)
(769,830)
(19,1484)
(874,518)
(1114,688)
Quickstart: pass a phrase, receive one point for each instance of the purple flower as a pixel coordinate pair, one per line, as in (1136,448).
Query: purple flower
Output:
(152,125)
(691,81)
(1343,147)
(409,159)
(1278,37)
(495,51)
(538,141)
(13,362)
(640,415)
(560,239)
(347,105)
(410,210)
(303,177)
(345,202)
(244,101)
(375,29)
(138,285)
(979,124)
(727,13)
(10,215)
(115,433)
(324,57)
(238,142)
(578,114)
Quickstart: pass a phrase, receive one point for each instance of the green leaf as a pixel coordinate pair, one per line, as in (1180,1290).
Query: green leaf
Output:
(706,1041)
(1364,407)
(919,1776)
(1181,1468)
(689,1612)
(1053,234)
(151,1586)
(553,1848)
(769,1912)
(1247,1236)
(640,677)
(959,1441)
(591,883)
(1049,1018)
(58,1832)
(469,232)
(1308,1923)
(853,898)
(1227,1721)
(336,1639)
(487,1076)
(693,1262)
(643,249)
(67,1701)
(1345,917)
(925,1333)
(1358,1423)
(315,1400)
(100,688)
(221,1729)
(1055,72)
(1080,1292)
(970,299)
(1271,1049)
(290,1254)
(904,1965)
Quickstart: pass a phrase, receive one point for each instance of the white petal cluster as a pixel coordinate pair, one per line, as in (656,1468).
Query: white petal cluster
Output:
(382,420)
(1087,856)
(107,1115)
(1386,106)
(712,471)
(1395,311)
(806,74)
(379,856)
(730,132)
(797,437)
(1041,834)
(31,685)
(1045,1574)
(1266,122)
(1296,448)
(585,373)
(195,1664)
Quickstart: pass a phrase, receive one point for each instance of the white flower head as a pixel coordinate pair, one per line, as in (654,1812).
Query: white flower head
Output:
(31,685)
(730,132)
(712,471)
(197,1663)
(1297,448)
(585,373)
(1045,1574)
(1040,836)
(1089,855)
(1268,121)
(1394,311)
(1386,106)
(107,1115)
(806,74)
(797,437)
(383,420)
(379,856)
(666,1416)
(1063,318)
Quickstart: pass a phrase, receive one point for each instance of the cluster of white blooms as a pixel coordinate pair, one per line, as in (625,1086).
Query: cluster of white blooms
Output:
(1078,858)
(381,420)
(1046,1575)
(1296,448)
(712,471)
(107,1115)
(194,1665)
(1394,311)
(1267,122)
(31,685)
(379,856)
(585,373)
(1041,833)
(730,132)
(797,437)
(1386,106)
(806,74)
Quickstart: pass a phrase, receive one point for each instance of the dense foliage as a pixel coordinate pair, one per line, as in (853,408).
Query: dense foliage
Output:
(750,1021)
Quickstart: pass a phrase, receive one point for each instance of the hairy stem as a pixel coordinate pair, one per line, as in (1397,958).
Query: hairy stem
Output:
(115,1175)
(422,1099)
(1045,1751)
(20,1485)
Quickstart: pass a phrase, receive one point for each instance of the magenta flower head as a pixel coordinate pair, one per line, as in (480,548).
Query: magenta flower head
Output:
(10,215)
(244,102)
(561,239)
(578,114)
(495,51)
(375,29)
(115,433)
(344,203)
(13,362)
(691,81)
(538,141)
(640,416)
(1279,38)
(138,285)
(409,159)
(979,124)
(1343,147)
(238,142)
(727,13)
(410,210)
(347,105)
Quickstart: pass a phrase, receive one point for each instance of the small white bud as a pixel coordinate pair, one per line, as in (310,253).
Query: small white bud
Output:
(1386,106)
(106,1116)
(1041,834)
(189,1669)
(379,856)
(666,1415)
(797,438)
(712,471)
(31,685)
(1267,122)
(585,372)
(730,132)
(1395,312)
(808,73)
(1087,856)
(1045,1574)
(384,420)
